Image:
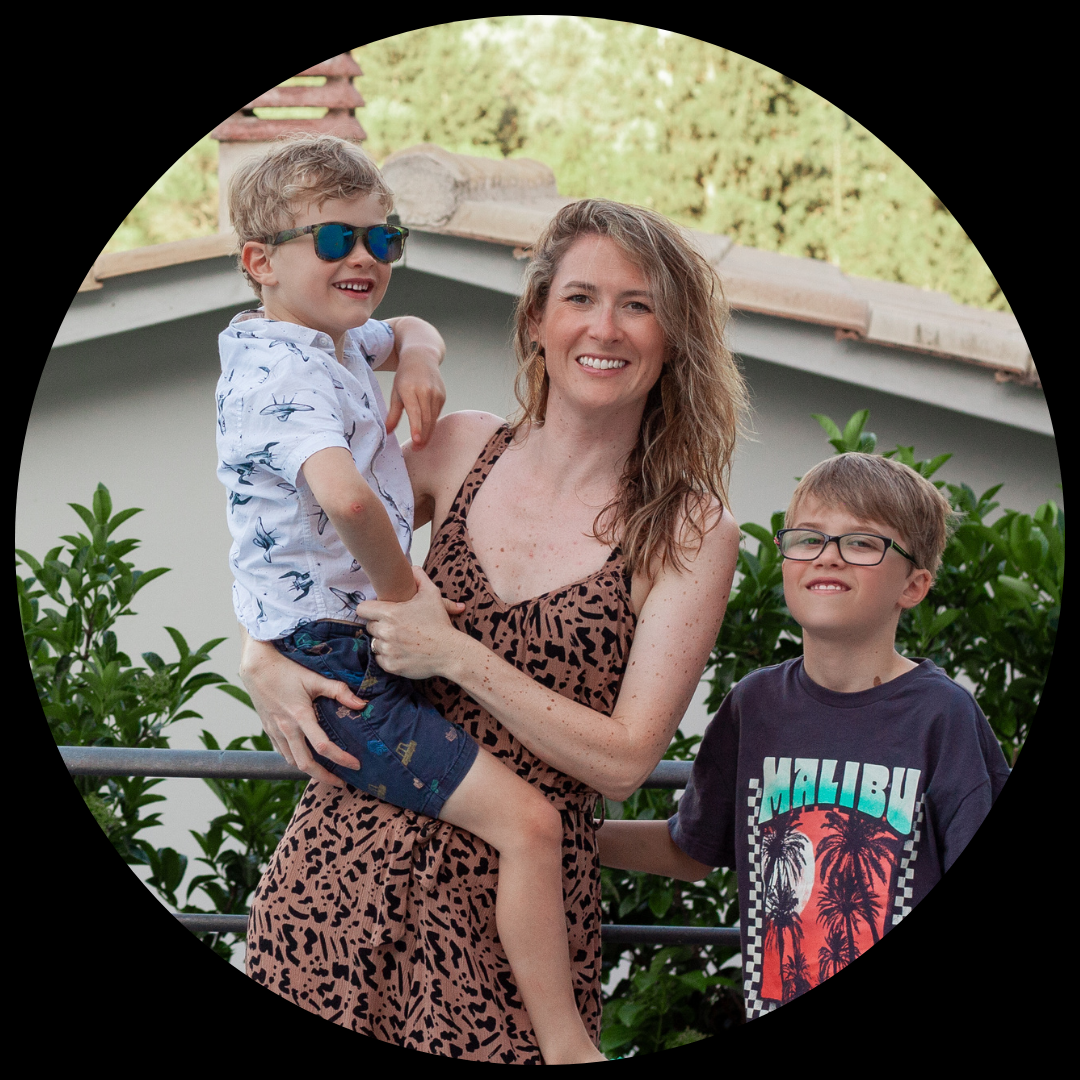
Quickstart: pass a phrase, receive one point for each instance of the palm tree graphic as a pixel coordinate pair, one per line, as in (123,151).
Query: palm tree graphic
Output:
(784,859)
(834,954)
(782,917)
(796,974)
(860,848)
(843,905)
(784,852)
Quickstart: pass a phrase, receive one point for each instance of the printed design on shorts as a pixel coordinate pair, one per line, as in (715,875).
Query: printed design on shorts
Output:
(236,499)
(383,920)
(282,410)
(349,435)
(261,617)
(301,584)
(265,538)
(287,488)
(321,519)
(835,848)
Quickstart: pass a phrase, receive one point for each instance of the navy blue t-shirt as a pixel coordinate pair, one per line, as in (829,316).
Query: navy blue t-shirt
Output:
(838,811)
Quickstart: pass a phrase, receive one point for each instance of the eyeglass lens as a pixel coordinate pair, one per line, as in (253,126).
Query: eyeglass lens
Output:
(856,548)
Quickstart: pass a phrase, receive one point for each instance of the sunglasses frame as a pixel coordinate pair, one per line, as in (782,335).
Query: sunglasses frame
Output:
(889,543)
(359,232)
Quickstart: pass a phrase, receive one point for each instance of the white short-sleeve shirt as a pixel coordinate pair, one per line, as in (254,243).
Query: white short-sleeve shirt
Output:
(281,397)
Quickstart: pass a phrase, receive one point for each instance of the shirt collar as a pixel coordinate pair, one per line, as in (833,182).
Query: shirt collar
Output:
(255,320)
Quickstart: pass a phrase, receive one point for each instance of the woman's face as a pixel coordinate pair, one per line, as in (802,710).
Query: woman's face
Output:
(602,341)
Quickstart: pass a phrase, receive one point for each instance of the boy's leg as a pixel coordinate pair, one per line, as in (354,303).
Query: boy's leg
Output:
(511,815)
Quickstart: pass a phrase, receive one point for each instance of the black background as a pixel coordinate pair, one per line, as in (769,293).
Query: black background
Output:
(91,126)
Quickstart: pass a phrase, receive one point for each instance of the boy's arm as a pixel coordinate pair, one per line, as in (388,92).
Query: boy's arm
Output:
(647,846)
(418,387)
(361,521)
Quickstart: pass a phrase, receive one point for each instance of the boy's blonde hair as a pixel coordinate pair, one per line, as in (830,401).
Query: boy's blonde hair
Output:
(875,488)
(265,192)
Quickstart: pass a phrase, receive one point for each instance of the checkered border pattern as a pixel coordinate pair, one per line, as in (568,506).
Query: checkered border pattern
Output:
(754,918)
(905,877)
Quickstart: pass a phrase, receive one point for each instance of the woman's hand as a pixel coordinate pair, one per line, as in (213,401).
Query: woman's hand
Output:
(415,639)
(282,693)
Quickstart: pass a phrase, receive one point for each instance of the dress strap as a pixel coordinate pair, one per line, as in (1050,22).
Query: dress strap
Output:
(491,453)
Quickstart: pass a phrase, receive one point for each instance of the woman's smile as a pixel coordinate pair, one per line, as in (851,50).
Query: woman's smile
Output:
(600,321)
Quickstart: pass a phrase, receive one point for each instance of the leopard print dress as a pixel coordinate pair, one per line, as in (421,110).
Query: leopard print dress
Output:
(383,920)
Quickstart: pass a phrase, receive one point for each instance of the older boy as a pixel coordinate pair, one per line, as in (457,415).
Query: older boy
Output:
(321,512)
(843,784)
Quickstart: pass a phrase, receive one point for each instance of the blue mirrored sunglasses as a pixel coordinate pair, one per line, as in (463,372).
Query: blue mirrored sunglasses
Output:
(334,240)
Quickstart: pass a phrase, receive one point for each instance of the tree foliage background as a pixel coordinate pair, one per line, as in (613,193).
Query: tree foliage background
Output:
(711,138)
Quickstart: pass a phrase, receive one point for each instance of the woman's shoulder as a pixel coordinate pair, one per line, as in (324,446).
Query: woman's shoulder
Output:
(705,530)
(439,467)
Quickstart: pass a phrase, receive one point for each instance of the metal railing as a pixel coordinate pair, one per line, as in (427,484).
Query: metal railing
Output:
(268,765)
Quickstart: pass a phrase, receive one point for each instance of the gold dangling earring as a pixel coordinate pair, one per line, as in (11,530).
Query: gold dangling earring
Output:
(537,370)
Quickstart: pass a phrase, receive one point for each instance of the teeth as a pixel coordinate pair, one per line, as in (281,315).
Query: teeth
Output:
(352,288)
(826,588)
(600,365)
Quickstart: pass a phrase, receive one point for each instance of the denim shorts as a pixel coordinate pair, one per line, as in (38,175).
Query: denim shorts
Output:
(409,754)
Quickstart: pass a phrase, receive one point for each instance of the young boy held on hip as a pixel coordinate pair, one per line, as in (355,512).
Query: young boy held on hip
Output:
(843,784)
(321,511)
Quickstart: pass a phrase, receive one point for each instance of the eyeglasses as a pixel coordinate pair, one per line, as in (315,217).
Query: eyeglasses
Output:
(334,240)
(858,549)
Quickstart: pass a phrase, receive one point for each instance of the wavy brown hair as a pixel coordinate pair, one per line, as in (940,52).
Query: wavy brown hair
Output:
(679,466)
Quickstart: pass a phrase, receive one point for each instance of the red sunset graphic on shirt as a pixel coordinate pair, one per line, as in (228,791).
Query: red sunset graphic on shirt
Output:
(829,874)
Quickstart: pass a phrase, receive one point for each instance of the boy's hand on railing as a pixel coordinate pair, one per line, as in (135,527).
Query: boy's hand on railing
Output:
(282,693)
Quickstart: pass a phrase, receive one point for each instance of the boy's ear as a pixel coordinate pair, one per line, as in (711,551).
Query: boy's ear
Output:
(915,588)
(256,261)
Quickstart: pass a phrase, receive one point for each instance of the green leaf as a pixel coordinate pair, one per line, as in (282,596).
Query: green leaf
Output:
(830,428)
(762,535)
(140,579)
(88,520)
(1019,588)
(118,519)
(102,504)
(236,692)
(660,902)
(178,641)
(853,428)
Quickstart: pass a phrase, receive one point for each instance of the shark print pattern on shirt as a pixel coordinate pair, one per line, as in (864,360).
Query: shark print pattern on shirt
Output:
(282,397)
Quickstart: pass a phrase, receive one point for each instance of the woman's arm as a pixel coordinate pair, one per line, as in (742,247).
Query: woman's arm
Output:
(675,633)
(282,693)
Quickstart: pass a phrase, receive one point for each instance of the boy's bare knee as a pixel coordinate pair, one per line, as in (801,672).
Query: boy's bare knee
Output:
(538,823)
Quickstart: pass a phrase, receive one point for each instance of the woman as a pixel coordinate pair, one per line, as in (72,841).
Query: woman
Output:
(587,558)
